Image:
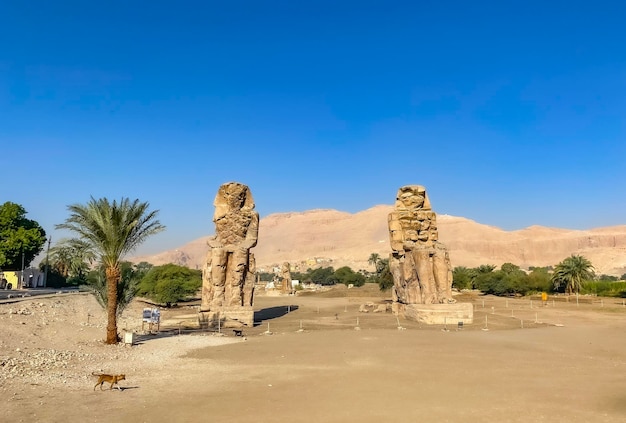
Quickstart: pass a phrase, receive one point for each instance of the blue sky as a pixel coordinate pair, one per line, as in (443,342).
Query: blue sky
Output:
(510,113)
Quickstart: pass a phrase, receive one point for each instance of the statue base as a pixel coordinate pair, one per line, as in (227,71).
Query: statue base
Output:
(436,314)
(226,317)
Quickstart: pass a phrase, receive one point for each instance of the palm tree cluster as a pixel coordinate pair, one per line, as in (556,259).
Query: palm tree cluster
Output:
(72,258)
(382,276)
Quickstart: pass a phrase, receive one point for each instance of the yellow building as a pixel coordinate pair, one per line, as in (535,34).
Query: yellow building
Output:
(33,278)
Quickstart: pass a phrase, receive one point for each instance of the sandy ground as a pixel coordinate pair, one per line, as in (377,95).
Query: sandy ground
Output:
(566,364)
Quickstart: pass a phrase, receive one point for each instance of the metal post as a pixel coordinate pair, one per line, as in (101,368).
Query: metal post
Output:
(21,283)
(45,278)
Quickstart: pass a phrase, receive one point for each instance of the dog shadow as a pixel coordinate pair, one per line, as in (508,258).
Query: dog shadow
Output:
(124,388)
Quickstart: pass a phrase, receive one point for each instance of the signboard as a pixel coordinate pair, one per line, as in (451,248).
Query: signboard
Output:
(151,315)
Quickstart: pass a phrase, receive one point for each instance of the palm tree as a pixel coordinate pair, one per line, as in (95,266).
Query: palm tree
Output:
(112,230)
(127,286)
(571,272)
(72,257)
(373,260)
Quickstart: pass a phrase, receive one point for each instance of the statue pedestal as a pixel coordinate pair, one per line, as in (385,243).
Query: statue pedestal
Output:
(438,314)
(228,317)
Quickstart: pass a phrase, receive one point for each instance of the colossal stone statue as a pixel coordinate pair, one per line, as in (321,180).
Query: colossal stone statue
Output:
(228,275)
(285,279)
(419,263)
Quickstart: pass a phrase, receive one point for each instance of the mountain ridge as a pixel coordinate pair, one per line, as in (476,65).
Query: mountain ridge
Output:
(331,237)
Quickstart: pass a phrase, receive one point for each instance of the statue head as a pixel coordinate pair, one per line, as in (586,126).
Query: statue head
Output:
(232,196)
(412,197)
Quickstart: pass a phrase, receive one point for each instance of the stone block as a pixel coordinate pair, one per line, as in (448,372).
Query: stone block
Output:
(228,317)
(439,314)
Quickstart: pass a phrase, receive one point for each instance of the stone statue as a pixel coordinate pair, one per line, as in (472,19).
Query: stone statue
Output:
(285,279)
(419,263)
(229,273)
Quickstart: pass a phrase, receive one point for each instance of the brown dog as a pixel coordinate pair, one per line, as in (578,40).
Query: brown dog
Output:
(112,379)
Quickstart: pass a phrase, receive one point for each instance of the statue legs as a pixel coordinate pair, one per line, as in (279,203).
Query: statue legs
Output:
(443,279)
(237,272)
(219,258)
(207,287)
(425,275)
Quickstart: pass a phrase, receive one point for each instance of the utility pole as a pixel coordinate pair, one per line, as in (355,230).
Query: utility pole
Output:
(21,284)
(45,279)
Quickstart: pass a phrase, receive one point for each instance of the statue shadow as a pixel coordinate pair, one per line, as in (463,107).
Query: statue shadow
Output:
(272,313)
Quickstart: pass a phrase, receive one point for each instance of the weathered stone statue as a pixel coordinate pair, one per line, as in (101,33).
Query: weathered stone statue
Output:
(285,279)
(419,263)
(228,275)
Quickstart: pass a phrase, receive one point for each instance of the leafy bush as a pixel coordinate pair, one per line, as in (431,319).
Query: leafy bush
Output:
(347,276)
(463,278)
(170,283)
(604,288)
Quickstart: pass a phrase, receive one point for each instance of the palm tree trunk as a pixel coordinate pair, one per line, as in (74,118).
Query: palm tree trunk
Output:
(113,277)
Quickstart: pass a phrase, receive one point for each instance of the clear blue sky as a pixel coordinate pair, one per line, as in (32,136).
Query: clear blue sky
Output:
(511,113)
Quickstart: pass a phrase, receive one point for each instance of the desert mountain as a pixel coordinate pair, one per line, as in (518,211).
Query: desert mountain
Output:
(331,237)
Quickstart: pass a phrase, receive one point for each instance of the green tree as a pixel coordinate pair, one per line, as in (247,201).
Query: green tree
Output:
(112,230)
(571,272)
(72,258)
(347,276)
(19,237)
(323,276)
(539,280)
(374,259)
(170,283)
(609,278)
(485,268)
(382,275)
(509,268)
(463,278)
(142,268)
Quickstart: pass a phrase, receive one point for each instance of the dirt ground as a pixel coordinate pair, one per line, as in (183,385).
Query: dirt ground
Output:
(306,361)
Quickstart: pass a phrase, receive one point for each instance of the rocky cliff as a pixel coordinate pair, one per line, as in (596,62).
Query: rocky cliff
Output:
(331,237)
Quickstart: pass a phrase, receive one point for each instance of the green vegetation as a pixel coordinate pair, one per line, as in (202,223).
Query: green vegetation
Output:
(569,274)
(20,238)
(170,283)
(347,276)
(112,230)
(127,286)
(266,276)
(382,275)
(71,258)
(329,276)
(604,288)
